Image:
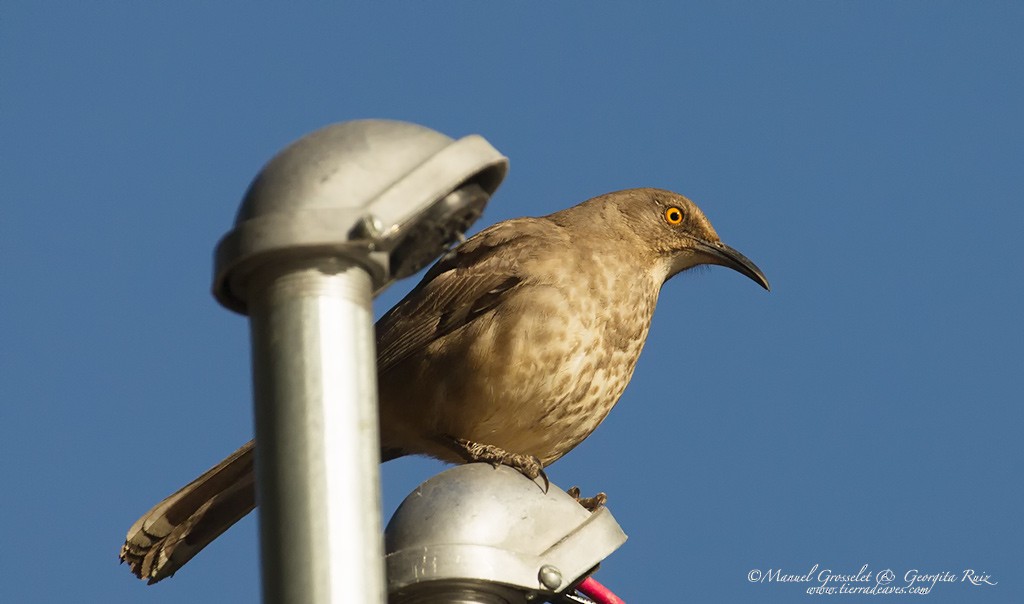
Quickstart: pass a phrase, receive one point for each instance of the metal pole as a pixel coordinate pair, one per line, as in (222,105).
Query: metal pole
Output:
(318,479)
(335,217)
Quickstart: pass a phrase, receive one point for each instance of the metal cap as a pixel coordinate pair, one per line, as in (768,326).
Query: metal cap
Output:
(368,190)
(475,525)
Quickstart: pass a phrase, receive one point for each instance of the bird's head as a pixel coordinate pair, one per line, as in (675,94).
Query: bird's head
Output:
(675,230)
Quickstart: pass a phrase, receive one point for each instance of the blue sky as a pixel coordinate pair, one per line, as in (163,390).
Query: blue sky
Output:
(866,155)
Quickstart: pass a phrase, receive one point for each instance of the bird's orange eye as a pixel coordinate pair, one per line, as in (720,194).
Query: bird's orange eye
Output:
(673,216)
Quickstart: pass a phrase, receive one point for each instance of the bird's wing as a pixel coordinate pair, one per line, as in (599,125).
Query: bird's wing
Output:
(467,283)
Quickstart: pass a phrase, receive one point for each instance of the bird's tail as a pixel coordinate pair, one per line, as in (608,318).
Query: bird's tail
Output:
(177,528)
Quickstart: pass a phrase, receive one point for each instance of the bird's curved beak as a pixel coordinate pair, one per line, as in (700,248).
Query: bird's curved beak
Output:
(723,255)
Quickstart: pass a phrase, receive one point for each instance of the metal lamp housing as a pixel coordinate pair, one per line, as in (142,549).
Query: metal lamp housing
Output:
(386,194)
(476,533)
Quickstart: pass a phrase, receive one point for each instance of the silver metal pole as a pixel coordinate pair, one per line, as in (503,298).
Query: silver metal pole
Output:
(335,217)
(317,468)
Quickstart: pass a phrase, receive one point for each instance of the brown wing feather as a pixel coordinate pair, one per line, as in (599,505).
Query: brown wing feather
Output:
(462,286)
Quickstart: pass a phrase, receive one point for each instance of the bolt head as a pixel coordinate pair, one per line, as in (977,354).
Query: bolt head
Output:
(550,577)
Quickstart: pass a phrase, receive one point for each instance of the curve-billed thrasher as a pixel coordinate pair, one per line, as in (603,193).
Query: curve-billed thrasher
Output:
(512,349)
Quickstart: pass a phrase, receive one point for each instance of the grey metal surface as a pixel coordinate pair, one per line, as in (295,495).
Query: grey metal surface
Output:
(318,453)
(331,220)
(357,189)
(482,525)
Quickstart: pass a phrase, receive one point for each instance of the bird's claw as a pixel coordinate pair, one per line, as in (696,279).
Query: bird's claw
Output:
(544,475)
(590,503)
(528,465)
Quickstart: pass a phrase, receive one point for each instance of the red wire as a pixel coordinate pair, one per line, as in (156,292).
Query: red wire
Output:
(598,593)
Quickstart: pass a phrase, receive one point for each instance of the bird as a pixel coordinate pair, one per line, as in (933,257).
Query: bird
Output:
(511,350)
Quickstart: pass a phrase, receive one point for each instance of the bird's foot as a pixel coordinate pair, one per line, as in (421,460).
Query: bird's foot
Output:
(527,465)
(590,503)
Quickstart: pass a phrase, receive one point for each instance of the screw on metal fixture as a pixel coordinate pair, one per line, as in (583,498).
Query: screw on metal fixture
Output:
(550,577)
(369,226)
